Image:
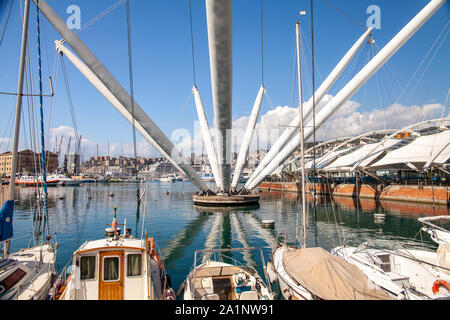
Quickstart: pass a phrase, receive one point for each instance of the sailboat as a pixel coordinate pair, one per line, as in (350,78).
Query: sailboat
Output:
(407,273)
(28,273)
(438,234)
(314,273)
(215,279)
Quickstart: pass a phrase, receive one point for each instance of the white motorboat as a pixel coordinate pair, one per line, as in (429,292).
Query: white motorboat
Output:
(405,273)
(438,234)
(214,279)
(117,267)
(207,177)
(167,179)
(31,181)
(64,180)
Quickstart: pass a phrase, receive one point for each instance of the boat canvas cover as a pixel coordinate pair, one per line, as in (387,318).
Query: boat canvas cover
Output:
(6,219)
(444,257)
(329,277)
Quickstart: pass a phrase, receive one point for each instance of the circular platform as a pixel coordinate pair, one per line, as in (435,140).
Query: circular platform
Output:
(226,201)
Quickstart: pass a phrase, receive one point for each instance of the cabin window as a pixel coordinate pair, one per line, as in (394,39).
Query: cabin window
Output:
(134,265)
(87,268)
(11,280)
(111,268)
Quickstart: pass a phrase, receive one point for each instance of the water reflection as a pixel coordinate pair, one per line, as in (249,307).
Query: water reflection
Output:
(180,228)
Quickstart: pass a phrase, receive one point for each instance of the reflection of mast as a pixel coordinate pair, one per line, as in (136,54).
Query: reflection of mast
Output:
(175,247)
(240,231)
(66,157)
(213,237)
(263,234)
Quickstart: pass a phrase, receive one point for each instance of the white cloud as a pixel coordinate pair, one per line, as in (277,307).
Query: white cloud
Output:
(396,116)
(347,121)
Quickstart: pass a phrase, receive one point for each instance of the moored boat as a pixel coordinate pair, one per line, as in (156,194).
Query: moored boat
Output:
(214,279)
(438,234)
(30,181)
(407,273)
(315,274)
(117,267)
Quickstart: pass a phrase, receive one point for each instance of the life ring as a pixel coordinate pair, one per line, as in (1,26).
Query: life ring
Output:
(439,283)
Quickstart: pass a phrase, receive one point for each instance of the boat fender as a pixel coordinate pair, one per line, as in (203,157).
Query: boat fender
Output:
(151,246)
(158,259)
(439,283)
(169,294)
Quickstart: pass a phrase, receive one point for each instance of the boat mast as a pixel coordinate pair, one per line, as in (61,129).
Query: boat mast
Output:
(23,53)
(113,88)
(206,135)
(308,106)
(302,136)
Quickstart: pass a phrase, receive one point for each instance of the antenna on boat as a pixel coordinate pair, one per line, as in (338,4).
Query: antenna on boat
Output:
(302,137)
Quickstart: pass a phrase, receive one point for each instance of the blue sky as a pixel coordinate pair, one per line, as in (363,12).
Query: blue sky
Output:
(162,61)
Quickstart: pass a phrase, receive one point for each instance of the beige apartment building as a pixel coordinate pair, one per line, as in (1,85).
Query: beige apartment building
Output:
(28,162)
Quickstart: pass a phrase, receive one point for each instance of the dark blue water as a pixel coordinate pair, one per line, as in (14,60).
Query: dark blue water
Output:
(82,213)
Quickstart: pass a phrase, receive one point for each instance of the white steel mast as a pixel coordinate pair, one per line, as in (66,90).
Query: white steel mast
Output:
(102,73)
(353,86)
(308,106)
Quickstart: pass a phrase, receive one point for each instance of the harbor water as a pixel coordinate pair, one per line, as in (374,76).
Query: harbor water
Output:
(167,213)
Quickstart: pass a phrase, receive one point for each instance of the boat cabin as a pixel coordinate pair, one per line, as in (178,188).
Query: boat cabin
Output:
(116,268)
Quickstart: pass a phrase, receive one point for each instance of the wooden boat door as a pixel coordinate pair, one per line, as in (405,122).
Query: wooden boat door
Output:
(111,275)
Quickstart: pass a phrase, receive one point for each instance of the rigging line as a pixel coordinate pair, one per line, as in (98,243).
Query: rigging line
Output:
(345,14)
(52,98)
(380,95)
(130,70)
(69,98)
(423,61)
(262,45)
(305,43)
(434,78)
(41,111)
(192,44)
(445,104)
(98,17)
(307,74)
(11,2)
(428,66)
(314,98)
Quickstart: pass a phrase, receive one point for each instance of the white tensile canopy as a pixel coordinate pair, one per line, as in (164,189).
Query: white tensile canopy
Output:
(364,155)
(326,159)
(434,147)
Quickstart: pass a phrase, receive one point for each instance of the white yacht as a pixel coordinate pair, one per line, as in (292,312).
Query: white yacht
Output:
(438,233)
(406,273)
(167,179)
(32,181)
(64,180)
